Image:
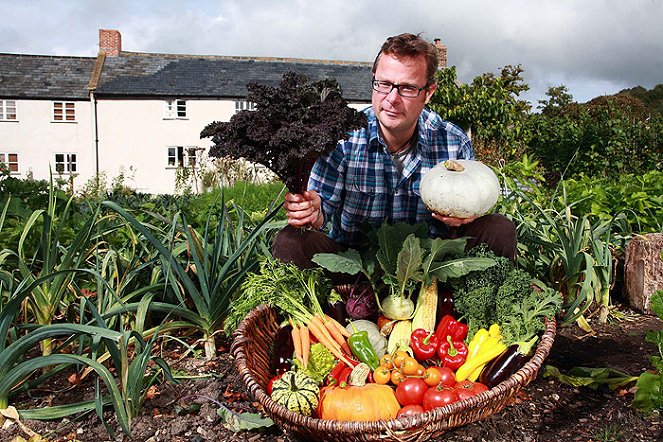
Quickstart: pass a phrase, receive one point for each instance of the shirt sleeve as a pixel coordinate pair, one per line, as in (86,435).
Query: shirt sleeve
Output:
(327,179)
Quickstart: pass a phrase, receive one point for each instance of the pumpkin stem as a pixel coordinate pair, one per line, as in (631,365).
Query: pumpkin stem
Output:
(359,375)
(293,384)
(454,166)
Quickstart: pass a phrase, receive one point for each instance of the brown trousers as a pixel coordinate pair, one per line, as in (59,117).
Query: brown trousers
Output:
(299,245)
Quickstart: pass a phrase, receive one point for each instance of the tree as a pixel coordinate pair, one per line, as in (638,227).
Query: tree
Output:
(489,108)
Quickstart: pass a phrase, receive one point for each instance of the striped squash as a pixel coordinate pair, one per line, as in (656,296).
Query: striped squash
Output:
(297,392)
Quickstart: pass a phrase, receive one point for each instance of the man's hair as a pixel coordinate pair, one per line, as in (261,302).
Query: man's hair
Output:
(410,46)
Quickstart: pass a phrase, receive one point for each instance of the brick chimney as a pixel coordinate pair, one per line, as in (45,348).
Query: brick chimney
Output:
(110,42)
(441,53)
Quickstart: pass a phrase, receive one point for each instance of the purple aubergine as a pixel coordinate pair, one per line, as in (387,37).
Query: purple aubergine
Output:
(507,363)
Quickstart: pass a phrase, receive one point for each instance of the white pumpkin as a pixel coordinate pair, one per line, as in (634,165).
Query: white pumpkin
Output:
(460,188)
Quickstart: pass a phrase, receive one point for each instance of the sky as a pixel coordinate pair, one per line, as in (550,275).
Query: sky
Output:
(592,47)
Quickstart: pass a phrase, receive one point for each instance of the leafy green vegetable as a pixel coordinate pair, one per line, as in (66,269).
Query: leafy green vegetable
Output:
(649,395)
(402,259)
(237,422)
(282,286)
(476,293)
(320,363)
(525,320)
(293,125)
(590,377)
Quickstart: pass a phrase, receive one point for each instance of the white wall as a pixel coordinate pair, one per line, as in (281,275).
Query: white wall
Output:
(133,138)
(36,138)
(134,133)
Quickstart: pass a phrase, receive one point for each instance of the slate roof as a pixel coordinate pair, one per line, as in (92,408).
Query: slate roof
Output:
(185,76)
(45,77)
(140,75)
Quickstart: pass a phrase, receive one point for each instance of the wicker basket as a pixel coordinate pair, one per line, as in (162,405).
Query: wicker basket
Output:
(251,349)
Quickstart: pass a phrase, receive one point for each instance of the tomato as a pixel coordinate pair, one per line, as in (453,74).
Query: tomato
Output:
(381,375)
(410,366)
(438,397)
(420,370)
(468,388)
(387,361)
(271,383)
(397,377)
(447,376)
(398,358)
(432,376)
(411,391)
(410,410)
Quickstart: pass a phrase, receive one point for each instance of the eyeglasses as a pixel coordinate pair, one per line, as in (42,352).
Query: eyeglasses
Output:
(404,90)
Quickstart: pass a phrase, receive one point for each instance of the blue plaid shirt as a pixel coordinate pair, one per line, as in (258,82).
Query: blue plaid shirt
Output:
(359,183)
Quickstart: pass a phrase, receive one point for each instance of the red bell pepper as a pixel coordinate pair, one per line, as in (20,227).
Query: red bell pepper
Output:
(448,326)
(424,344)
(452,353)
(334,377)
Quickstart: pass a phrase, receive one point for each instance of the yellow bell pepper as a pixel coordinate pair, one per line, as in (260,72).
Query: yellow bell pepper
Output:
(484,346)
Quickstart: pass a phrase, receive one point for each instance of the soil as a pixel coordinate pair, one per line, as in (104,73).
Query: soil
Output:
(545,410)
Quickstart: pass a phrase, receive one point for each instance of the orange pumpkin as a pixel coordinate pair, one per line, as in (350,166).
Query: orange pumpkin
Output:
(370,402)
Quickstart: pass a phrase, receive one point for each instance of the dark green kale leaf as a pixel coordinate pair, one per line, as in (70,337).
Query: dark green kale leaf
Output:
(293,125)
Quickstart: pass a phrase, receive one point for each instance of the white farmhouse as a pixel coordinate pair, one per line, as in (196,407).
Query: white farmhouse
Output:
(137,114)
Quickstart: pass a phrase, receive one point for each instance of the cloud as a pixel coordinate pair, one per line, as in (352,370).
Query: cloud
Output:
(592,46)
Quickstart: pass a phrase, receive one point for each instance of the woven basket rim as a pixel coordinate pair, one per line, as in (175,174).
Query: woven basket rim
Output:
(453,411)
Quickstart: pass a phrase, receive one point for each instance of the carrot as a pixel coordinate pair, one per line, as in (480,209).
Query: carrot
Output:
(306,344)
(344,331)
(297,341)
(336,335)
(322,335)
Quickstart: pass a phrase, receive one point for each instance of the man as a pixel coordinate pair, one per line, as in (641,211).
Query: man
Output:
(374,176)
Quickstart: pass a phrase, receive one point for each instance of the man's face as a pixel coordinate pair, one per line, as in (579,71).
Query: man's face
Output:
(398,115)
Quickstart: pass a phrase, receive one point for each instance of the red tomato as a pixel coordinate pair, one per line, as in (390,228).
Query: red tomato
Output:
(411,391)
(447,376)
(271,383)
(410,410)
(439,397)
(468,388)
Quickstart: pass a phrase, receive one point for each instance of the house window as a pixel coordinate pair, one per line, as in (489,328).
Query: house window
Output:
(181,156)
(7,110)
(64,111)
(241,105)
(175,109)
(8,162)
(65,163)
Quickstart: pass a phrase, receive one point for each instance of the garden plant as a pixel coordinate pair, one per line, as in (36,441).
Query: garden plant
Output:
(99,291)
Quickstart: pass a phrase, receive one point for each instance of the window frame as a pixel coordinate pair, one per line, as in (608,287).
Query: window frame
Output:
(4,106)
(241,105)
(67,161)
(183,156)
(6,161)
(175,109)
(67,108)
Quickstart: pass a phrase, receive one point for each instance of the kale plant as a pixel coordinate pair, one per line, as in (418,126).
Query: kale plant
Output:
(293,125)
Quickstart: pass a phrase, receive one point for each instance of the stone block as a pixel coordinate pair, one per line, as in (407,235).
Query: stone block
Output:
(643,270)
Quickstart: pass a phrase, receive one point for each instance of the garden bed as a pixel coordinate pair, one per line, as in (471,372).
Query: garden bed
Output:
(543,411)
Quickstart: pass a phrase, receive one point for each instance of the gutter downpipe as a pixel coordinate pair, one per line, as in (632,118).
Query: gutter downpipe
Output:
(94,81)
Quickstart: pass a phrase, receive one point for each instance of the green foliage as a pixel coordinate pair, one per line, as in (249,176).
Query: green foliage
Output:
(649,395)
(402,260)
(489,107)
(639,197)
(608,136)
(651,99)
(506,295)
